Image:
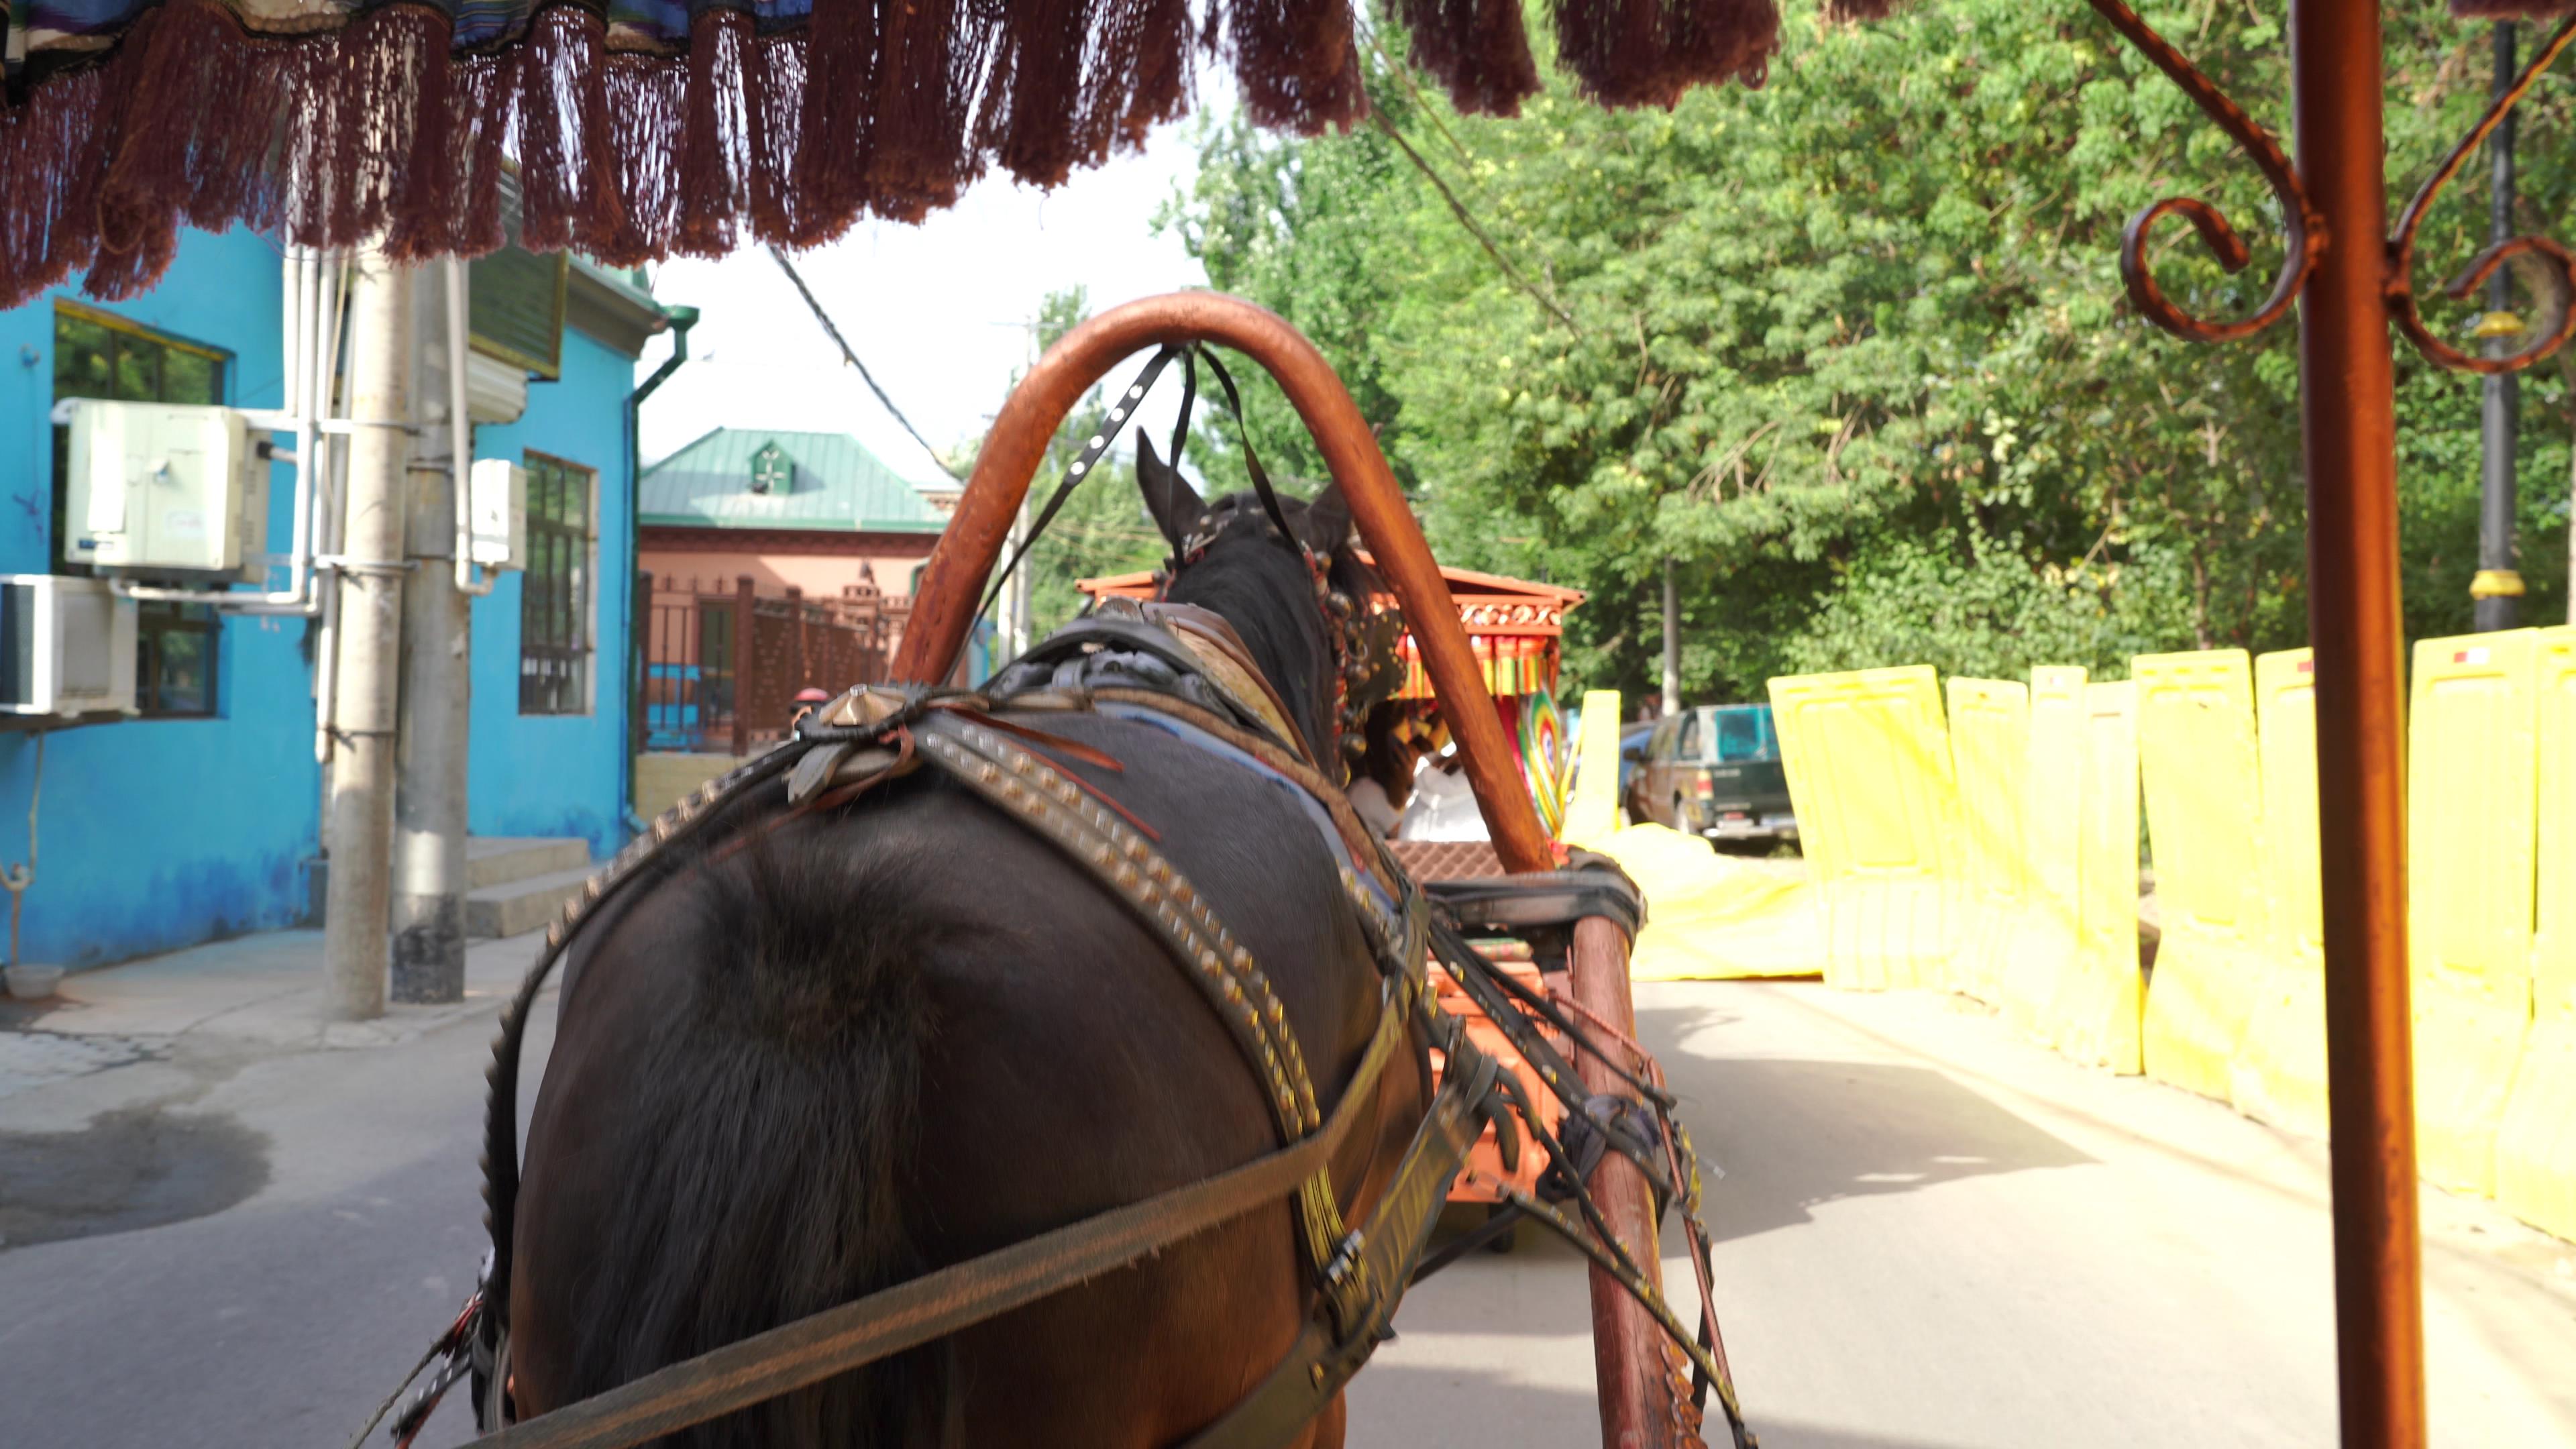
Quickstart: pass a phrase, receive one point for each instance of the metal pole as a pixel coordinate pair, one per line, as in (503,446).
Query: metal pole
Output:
(437,687)
(371,594)
(2348,423)
(1672,643)
(1639,1394)
(2497,591)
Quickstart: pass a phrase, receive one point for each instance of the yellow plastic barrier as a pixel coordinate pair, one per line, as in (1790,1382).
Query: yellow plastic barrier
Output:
(2536,1150)
(1708,916)
(1990,761)
(2044,955)
(2471,768)
(1592,807)
(2204,820)
(1869,768)
(2100,1004)
(2280,1073)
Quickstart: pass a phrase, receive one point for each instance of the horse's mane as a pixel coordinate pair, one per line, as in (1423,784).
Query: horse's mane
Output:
(1261,585)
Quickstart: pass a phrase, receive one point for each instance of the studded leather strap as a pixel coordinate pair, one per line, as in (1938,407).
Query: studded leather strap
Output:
(1034,791)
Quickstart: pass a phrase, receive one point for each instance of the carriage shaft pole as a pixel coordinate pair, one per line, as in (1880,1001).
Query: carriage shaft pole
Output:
(1637,1388)
(953,581)
(2347,417)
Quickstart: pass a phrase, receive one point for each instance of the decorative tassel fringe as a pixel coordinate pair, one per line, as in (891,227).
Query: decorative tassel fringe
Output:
(887,108)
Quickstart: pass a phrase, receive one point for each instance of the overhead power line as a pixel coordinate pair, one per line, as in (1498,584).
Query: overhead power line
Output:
(852,358)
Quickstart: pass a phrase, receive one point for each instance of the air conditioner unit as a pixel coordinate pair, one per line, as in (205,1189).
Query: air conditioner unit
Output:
(160,488)
(497,504)
(495,391)
(66,646)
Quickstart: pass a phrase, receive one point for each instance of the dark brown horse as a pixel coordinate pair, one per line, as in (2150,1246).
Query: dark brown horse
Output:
(824,1053)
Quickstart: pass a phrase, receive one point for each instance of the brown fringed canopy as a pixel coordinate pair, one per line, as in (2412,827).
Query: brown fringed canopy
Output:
(652,127)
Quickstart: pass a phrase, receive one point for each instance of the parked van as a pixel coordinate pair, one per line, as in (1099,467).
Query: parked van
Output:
(1714,770)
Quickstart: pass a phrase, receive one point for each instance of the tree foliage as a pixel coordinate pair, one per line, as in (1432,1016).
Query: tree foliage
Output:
(1853,351)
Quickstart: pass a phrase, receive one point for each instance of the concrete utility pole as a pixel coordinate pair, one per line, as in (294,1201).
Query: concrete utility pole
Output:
(2497,589)
(371,594)
(1672,643)
(428,915)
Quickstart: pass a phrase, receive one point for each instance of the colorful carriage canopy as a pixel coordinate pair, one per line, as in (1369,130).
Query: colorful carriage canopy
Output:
(1514,625)
(634,129)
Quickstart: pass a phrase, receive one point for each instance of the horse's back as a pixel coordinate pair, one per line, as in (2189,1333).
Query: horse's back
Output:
(858,1045)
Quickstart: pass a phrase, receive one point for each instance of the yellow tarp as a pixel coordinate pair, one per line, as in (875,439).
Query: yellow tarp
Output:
(2280,1072)
(2099,1006)
(1868,761)
(1708,916)
(2044,958)
(2472,759)
(2536,1149)
(2204,821)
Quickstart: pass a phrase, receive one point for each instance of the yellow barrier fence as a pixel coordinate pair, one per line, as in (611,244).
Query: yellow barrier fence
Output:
(2536,1148)
(1990,760)
(2100,1005)
(1708,916)
(1868,760)
(2204,821)
(2472,759)
(2280,1073)
(2044,958)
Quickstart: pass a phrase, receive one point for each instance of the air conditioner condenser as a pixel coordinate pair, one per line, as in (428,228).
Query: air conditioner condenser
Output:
(67,647)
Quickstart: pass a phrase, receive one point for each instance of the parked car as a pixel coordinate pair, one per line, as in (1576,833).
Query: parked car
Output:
(1632,753)
(1714,770)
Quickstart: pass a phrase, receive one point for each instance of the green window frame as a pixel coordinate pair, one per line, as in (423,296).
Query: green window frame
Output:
(555,588)
(98,354)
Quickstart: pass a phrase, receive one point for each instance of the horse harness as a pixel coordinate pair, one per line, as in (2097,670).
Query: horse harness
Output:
(1169,665)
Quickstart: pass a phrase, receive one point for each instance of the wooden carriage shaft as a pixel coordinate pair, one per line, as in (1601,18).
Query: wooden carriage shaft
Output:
(952,582)
(2348,424)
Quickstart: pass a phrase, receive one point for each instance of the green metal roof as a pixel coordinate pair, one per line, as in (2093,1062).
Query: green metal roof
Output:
(835,485)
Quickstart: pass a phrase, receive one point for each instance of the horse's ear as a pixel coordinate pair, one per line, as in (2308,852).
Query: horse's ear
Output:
(1327,524)
(1177,508)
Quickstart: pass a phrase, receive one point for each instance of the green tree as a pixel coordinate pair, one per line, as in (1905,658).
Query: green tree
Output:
(1853,349)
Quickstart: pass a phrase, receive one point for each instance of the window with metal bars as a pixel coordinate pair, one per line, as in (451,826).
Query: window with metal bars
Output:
(98,354)
(555,589)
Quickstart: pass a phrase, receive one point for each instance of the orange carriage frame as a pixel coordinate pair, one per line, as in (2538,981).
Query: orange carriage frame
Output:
(1641,1399)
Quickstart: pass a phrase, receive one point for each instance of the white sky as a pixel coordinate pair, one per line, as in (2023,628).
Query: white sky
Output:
(939,312)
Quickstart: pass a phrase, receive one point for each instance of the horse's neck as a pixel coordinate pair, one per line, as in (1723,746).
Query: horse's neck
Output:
(1288,654)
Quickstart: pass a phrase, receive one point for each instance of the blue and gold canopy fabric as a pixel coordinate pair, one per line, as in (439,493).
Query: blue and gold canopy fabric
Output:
(640,128)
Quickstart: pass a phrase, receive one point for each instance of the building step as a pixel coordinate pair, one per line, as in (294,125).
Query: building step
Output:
(496,860)
(520,905)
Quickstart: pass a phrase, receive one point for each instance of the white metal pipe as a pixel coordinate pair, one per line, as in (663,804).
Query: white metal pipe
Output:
(323,382)
(460,427)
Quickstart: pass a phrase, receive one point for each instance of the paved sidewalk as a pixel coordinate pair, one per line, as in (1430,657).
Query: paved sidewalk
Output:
(149,1030)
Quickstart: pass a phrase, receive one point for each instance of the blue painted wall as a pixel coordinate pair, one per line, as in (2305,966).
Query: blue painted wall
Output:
(158,834)
(561,774)
(161,833)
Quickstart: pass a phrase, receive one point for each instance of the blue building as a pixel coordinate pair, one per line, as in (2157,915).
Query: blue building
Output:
(201,817)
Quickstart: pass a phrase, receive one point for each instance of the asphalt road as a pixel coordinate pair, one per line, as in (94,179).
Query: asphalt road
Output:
(1930,1237)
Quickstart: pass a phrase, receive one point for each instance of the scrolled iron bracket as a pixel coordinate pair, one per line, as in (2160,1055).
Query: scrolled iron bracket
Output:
(2560,268)
(2306,237)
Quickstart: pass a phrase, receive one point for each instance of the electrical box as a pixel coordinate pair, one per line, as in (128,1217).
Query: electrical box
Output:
(497,506)
(66,646)
(165,489)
